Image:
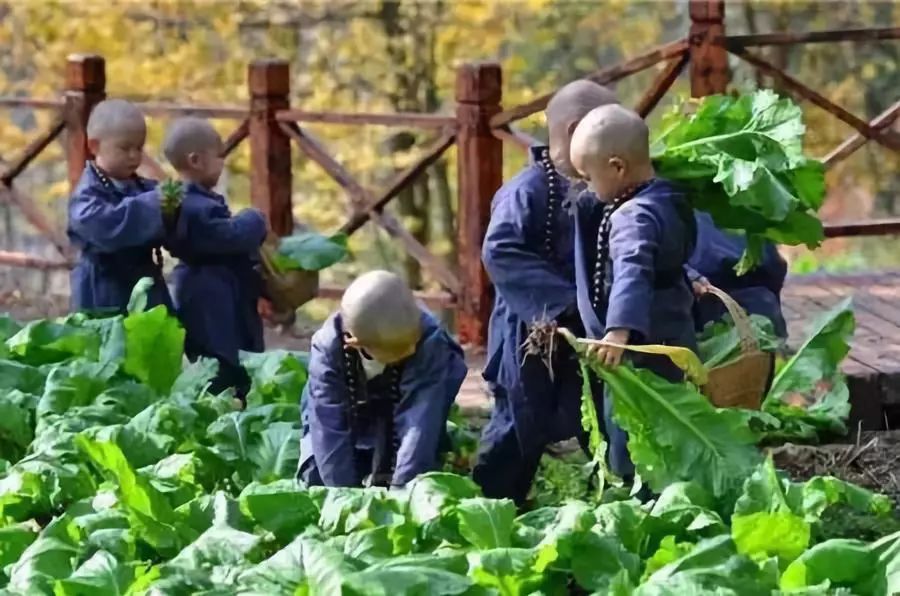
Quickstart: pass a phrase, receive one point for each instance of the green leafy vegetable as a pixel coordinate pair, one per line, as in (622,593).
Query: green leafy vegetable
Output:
(310,251)
(741,159)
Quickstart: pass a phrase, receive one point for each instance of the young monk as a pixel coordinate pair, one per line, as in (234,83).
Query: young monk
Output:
(217,282)
(633,289)
(758,291)
(114,215)
(528,254)
(382,377)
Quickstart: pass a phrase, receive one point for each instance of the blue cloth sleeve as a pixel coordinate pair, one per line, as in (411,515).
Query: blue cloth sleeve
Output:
(240,234)
(633,246)
(329,426)
(134,221)
(692,274)
(519,272)
(421,417)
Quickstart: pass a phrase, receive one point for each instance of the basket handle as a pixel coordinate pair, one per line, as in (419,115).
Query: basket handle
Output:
(741,319)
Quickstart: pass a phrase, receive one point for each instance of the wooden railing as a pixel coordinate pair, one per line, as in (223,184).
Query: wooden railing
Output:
(478,128)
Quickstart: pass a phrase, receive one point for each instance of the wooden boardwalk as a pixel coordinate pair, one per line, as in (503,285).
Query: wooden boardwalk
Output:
(873,366)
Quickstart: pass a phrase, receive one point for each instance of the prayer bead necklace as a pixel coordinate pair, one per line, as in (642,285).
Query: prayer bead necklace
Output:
(554,186)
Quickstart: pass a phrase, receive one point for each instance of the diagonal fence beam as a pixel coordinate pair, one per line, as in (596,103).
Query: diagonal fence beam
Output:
(36,217)
(400,181)
(32,150)
(360,197)
(603,77)
(236,137)
(661,85)
(854,142)
(889,139)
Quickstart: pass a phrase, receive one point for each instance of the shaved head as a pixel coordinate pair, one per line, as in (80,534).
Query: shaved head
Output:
(565,110)
(380,311)
(575,100)
(189,135)
(611,148)
(115,117)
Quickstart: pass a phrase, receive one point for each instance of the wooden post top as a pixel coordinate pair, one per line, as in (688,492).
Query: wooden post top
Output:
(479,82)
(269,78)
(707,11)
(86,72)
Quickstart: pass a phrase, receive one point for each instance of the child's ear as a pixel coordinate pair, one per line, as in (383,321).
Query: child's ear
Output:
(93,146)
(193,160)
(617,164)
(570,129)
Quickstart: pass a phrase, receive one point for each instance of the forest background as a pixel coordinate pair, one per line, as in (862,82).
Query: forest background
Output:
(401,56)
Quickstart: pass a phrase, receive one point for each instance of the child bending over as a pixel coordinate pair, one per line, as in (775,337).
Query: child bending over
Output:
(382,377)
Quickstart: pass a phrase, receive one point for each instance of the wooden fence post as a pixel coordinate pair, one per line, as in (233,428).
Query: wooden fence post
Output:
(85,88)
(709,60)
(480,172)
(270,148)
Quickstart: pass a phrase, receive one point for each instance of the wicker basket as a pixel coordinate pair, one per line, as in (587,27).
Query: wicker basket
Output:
(288,290)
(741,383)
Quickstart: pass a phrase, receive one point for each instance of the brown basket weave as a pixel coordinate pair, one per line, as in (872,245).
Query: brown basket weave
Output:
(288,290)
(741,383)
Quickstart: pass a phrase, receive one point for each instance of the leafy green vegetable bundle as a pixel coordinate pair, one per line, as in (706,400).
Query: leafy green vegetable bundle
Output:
(741,158)
(809,397)
(291,265)
(309,251)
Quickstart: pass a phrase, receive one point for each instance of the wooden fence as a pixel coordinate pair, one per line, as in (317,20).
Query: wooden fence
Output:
(478,128)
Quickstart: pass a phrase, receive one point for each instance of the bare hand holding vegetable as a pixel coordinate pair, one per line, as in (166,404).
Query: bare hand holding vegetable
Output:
(611,355)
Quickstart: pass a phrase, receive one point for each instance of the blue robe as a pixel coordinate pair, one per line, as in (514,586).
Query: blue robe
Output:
(758,292)
(217,282)
(116,230)
(646,290)
(530,283)
(332,452)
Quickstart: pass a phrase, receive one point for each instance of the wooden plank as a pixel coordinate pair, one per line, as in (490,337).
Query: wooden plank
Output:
(32,150)
(517,138)
(271,178)
(85,88)
(360,196)
(888,138)
(480,175)
(864,380)
(18,259)
(661,84)
(877,227)
(403,119)
(788,38)
(400,181)
(603,77)
(236,137)
(851,144)
(29,102)
(36,217)
(709,61)
(175,109)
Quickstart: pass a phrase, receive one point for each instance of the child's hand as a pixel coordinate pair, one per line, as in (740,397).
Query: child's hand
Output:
(611,356)
(264,308)
(700,286)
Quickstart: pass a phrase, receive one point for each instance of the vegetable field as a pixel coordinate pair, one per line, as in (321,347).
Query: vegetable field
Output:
(122,475)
